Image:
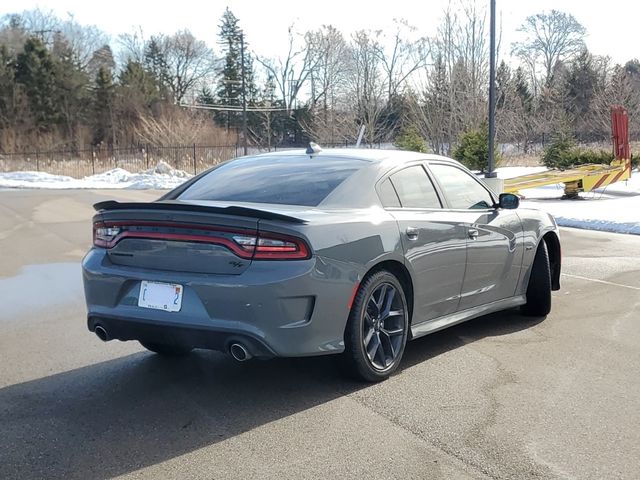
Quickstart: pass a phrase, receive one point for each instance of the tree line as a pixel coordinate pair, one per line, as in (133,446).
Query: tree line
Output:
(64,85)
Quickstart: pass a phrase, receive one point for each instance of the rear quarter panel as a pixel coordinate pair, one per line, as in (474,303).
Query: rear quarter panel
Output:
(347,244)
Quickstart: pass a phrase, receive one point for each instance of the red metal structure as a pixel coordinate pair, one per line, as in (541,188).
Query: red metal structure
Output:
(620,133)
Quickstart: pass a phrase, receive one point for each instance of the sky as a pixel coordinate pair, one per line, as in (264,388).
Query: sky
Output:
(611,26)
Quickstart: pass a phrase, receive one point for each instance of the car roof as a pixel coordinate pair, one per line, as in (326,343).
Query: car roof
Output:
(364,154)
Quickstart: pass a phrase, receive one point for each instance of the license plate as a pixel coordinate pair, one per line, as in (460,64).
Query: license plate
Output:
(161,296)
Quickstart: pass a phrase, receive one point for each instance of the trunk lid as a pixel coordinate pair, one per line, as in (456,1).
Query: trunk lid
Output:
(173,236)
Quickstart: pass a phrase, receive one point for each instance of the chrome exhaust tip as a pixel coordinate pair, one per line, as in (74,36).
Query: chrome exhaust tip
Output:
(101,333)
(239,352)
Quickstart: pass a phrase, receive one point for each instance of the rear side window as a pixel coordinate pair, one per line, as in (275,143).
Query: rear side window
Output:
(388,195)
(286,180)
(415,189)
(462,190)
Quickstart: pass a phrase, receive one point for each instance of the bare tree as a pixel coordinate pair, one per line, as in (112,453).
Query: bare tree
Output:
(188,61)
(619,89)
(450,95)
(328,77)
(41,23)
(83,40)
(368,87)
(400,57)
(132,46)
(292,72)
(549,38)
(331,120)
(13,33)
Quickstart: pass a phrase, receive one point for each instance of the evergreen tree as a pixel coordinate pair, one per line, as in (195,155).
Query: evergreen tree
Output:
(205,97)
(524,110)
(7,89)
(102,57)
(36,73)
(437,108)
(581,81)
(522,90)
(73,91)
(102,102)
(136,94)
(138,85)
(229,90)
(503,84)
(156,65)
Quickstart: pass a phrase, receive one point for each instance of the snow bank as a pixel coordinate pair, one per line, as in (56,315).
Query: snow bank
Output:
(162,176)
(615,208)
(511,172)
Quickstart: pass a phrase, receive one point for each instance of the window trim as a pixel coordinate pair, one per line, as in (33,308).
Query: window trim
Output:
(389,173)
(444,195)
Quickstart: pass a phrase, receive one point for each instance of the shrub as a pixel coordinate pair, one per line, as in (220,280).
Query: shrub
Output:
(410,139)
(562,154)
(473,149)
(557,154)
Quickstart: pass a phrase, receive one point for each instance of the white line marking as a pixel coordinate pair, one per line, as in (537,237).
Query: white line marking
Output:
(601,281)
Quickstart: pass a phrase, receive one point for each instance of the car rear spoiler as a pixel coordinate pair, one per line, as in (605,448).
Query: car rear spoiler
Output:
(169,205)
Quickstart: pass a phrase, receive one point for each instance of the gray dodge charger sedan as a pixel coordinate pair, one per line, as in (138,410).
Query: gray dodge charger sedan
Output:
(315,252)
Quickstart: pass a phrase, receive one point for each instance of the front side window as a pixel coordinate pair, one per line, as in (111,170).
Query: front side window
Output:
(461,189)
(415,189)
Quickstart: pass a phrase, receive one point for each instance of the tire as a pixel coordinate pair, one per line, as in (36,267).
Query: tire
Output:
(539,288)
(374,339)
(167,350)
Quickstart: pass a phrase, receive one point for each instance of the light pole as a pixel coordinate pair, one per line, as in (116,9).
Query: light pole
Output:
(492,89)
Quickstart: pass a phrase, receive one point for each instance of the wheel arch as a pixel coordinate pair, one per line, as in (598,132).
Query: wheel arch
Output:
(555,257)
(400,271)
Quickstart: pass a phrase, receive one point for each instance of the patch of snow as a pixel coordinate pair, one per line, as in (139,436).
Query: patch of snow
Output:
(615,208)
(162,176)
(511,172)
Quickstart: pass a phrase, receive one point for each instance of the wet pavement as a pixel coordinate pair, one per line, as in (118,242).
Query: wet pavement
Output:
(40,288)
(498,397)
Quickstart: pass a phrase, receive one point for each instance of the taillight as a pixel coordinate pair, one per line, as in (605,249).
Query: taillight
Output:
(245,244)
(104,236)
(271,246)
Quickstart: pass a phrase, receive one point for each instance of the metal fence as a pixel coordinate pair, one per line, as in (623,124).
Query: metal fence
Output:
(82,163)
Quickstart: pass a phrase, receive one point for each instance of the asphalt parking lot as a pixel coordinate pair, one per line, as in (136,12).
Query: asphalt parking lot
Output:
(498,397)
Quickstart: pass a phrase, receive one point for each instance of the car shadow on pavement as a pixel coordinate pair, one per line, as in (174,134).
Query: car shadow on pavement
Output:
(493,325)
(122,415)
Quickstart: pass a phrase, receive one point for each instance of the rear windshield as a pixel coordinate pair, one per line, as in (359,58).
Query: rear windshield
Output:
(284,180)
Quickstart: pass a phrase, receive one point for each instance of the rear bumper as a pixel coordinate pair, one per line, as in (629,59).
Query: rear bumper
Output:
(295,308)
(176,334)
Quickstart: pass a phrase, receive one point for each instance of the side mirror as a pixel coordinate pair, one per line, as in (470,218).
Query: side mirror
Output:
(508,201)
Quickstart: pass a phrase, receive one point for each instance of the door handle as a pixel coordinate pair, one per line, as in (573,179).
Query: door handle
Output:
(412,233)
(473,233)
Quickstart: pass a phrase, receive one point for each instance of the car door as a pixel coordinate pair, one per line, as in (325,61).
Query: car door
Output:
(434,246)
(494,236)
